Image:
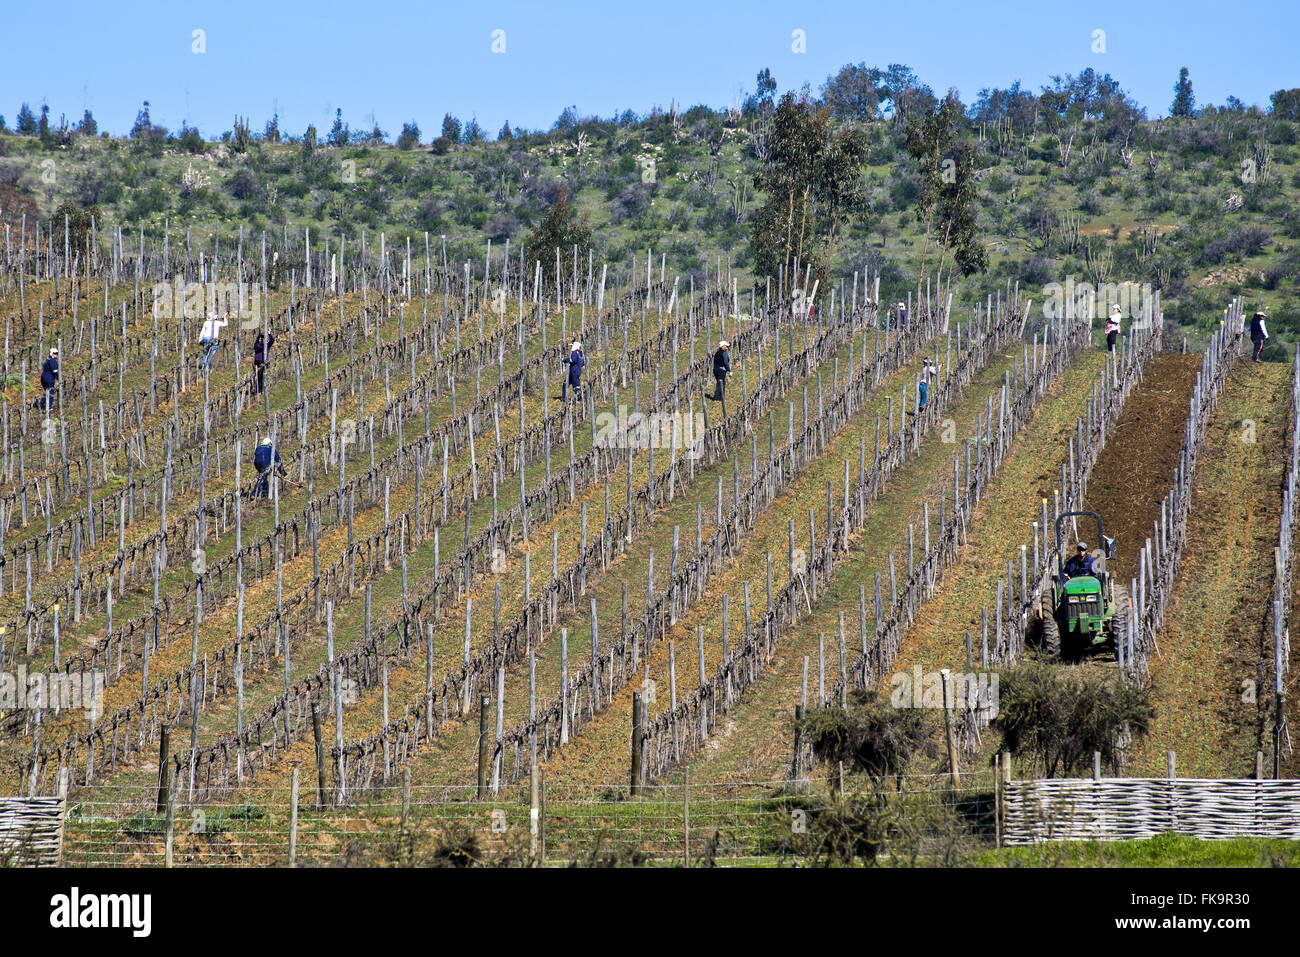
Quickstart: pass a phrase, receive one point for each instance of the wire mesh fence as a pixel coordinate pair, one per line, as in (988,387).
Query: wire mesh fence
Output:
(918,819)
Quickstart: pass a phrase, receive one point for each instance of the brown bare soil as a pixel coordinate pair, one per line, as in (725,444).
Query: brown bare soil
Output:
(1209,678)
(1136,468)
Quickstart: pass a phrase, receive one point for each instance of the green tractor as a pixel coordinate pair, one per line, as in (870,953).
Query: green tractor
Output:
(1083,611)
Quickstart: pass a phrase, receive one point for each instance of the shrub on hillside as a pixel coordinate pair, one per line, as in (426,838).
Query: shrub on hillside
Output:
(1055,718)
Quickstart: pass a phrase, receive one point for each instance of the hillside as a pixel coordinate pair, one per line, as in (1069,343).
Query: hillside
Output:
(1072,183)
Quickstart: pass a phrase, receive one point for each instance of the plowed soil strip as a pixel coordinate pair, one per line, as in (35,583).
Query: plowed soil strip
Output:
(1207,678)
(1134,471)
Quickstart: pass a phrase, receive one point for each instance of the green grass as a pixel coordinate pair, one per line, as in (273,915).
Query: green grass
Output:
(1164,850)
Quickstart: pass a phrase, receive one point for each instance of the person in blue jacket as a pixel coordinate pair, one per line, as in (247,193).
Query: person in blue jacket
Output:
(265,459)
(1080,563)
(50,377)
(576,362)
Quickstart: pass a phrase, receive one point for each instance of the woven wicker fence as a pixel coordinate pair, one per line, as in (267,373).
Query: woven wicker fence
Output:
(1113,809)
(31,831)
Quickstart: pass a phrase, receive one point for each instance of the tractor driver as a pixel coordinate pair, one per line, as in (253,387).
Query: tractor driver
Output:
(1079,563)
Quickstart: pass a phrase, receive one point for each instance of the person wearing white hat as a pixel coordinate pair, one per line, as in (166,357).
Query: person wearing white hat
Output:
(50,377)
(576,362)
(1258,332)
(212,327)
(721,369)
(902,314)
(1112,327)
(266,458)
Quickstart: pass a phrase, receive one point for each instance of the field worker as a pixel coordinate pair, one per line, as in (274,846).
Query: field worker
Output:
(208,337)
(50,377)
(1258,333)
(902,314)
(1112,327)
(261,348)
(1080,563)
(721,369)
(264,459)
(923,387)
(576,362)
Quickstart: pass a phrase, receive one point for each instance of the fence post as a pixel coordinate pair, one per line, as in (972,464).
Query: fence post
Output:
(686,817)
(483,750)
(997,800)
(796,769)
(164,779)
(534,817)
(320,753)
(950,727)
(638,718)
(171,813)
(542,826)
(293,820)
(406,801)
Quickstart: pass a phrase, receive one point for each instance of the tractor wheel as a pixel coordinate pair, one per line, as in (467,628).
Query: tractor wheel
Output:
(1051,633)
(1119,621)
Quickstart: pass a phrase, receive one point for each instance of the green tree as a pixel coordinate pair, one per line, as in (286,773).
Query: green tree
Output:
(189,139)
(272,132)
(560,230)
(1286,104)
(143,126)
(79,222)
(409,137)
(853,92)
(309,141)
(1184,104)
(812,178)
(43,127)
(506,133)
(26,122)
(88,126)
(339,133)
(946,205)
(450,128)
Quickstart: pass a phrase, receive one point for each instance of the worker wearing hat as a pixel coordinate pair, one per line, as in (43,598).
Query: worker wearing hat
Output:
(1112,326)
(266,458)
(50,377)
(902,314)
(721,369)
(576,361)
(1080,563)
(923,384)
(1258,333)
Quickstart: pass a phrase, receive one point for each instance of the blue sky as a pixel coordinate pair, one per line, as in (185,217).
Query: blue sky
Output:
(403,59)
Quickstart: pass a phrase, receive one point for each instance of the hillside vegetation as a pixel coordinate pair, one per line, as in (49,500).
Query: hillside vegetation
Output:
(1074,181)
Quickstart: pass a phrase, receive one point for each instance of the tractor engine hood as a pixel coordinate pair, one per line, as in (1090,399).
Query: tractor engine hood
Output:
(1082,585)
